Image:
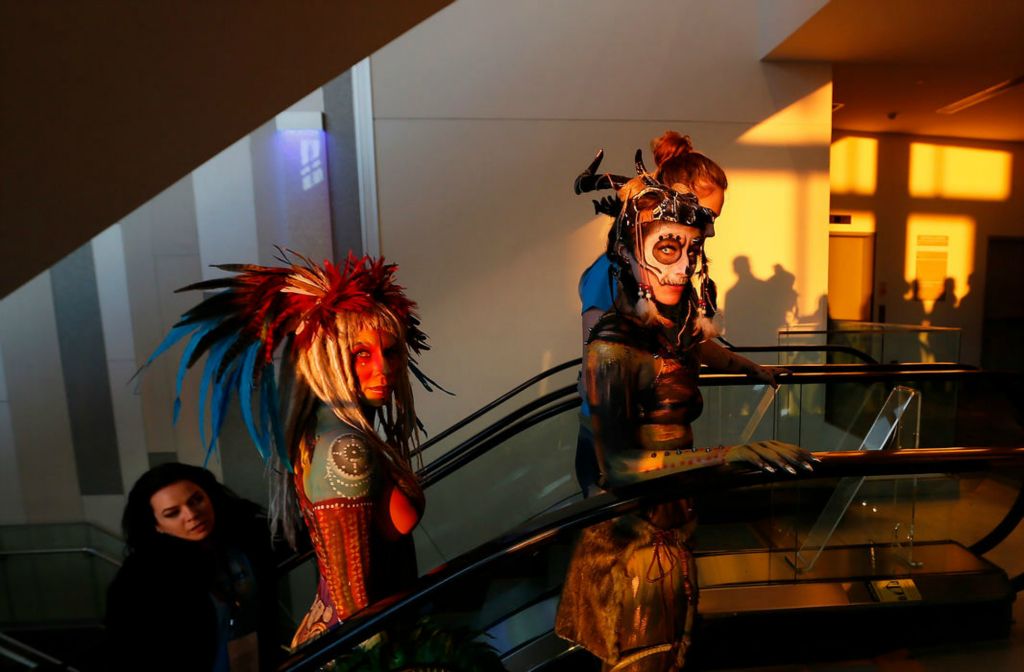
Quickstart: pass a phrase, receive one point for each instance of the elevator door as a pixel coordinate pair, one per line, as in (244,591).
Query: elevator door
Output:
(851,267)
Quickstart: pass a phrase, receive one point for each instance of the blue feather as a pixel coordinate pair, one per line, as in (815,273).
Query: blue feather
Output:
(173,336)
(245,386)
(275,418)
(219,406)
(266,401)
(203,329)
(206,383)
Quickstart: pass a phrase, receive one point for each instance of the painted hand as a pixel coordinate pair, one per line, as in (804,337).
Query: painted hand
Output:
(768,374)
(771,455)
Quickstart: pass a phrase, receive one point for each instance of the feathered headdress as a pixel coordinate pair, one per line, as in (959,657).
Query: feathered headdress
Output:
(262,307)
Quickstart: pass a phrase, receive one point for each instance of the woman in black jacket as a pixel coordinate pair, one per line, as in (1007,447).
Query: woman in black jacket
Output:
(196,591)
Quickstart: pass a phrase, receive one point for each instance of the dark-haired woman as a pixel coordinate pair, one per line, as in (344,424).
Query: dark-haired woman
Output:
(196,589)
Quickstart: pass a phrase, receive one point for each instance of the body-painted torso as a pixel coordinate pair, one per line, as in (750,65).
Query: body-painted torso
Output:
(643,394)
(344,496)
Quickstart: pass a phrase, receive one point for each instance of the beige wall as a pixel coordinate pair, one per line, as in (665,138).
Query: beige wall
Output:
(969,186)
(483,116)
(486,112)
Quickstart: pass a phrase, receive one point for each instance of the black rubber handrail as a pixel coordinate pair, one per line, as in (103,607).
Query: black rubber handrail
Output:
(84,550)
(497,402)
(845,349)
(523,410)
(1005,527)
(850,350)
(561,524)
(855,373)
(470,452)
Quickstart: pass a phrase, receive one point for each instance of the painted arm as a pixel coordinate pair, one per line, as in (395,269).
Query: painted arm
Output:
(726,360)
(630,451)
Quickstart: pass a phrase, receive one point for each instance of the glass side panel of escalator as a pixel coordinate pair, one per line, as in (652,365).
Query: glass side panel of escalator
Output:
(884,342)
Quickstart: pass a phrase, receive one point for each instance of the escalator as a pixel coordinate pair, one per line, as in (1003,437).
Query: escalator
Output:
(483,584)
(505,472)
(921,516)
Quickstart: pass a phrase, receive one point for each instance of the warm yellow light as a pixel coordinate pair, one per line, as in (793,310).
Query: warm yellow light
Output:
(939,247)
(808,121)
(945,171)
(774,220)
(853,165)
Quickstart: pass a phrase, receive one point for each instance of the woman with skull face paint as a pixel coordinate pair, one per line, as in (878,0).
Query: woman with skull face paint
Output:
(686,171)
(630,596)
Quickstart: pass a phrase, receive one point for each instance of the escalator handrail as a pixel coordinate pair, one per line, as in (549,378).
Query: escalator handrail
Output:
(483,434)
(709,377)
(811,374)
(502,431)
(497,402)
(470,452)
(1005,527)
(847,349)
(566,399)
(560,524)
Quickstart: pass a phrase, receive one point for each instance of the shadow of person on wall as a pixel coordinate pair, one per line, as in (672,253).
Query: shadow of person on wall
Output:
(755,309)
(944,310)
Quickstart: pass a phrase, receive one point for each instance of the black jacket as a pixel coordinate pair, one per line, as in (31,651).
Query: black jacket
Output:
(159,612)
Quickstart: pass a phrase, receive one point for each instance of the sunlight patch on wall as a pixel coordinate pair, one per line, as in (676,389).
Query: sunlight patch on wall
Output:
(805,122)
(778,221)
(854,165)
(943,171)
(939,247)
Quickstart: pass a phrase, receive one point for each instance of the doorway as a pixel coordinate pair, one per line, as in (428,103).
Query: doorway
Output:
(1002,328)
(851,276)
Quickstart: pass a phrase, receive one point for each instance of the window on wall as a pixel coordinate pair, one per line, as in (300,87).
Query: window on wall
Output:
(312,169)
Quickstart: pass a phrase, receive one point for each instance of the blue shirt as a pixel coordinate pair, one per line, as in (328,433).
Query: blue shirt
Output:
(596,288)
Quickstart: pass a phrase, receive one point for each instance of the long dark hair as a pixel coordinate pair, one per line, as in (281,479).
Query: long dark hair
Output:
(233,515)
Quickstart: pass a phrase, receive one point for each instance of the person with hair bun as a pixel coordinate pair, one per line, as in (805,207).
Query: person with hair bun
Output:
(678,166)
(687,171)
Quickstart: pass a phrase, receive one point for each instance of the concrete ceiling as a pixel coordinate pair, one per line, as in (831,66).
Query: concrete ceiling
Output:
(108,102)
(895,62)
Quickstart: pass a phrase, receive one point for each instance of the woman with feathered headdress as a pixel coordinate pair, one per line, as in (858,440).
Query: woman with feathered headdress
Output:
(346,335)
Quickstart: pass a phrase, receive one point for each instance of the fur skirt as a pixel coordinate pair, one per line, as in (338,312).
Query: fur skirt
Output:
(631,591)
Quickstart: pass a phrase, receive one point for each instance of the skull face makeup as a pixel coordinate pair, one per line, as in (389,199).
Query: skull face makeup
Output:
(658,244)
(668,259)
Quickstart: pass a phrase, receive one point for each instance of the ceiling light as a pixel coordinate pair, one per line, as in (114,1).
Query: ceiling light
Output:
(981,96)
